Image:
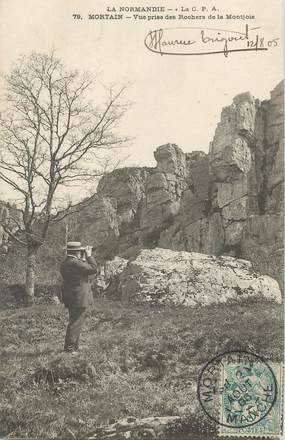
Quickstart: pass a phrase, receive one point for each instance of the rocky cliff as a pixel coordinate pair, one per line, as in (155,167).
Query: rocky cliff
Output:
(226,202)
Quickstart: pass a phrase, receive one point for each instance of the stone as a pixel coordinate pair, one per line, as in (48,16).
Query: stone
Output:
(274,124)
(214,235)
(158,191)
(191,206)
(133,428)
(273,161)
(171,159)
(263,243)
(99,226)
(173,237)
(230,151)
(229,192)
(118,199)
(196,236)
(236,210)
(276,173)
(125,187)
(198,177)
(233,234)
(274,203)
(106,281)
(164,190)
(163,276)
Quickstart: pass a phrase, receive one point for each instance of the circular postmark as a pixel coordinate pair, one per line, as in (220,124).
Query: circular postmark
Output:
(237,389)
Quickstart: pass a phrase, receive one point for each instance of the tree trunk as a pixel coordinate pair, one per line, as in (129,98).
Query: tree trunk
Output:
(30,274)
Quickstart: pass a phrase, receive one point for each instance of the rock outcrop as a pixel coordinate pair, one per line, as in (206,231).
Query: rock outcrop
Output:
(226,202)
(111,221)
(245,185)
(163,276)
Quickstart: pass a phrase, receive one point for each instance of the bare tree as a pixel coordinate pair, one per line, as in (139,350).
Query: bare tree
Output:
(50,135)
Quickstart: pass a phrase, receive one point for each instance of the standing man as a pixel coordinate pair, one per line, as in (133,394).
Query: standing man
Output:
(76,291)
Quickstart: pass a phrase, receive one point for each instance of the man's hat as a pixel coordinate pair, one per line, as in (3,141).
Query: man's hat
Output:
(74,246)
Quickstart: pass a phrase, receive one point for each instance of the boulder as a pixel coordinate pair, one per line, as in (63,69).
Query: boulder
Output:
(163,276)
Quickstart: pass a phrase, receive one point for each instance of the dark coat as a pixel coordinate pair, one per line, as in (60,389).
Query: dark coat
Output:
(76,291)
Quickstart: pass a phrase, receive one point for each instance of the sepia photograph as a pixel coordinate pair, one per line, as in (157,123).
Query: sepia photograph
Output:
(141,220)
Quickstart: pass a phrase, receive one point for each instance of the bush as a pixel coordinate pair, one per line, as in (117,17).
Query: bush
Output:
(13,295)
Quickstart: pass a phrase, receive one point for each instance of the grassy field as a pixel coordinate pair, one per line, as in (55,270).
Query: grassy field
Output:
(135,361)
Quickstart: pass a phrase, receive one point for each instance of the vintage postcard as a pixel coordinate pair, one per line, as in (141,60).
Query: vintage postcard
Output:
(141,219)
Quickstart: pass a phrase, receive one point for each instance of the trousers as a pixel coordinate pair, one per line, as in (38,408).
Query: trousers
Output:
(76,319)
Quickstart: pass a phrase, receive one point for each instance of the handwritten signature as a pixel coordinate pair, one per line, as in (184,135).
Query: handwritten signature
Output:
(206,41)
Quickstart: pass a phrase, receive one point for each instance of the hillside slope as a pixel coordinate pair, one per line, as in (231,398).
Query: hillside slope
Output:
(136,361)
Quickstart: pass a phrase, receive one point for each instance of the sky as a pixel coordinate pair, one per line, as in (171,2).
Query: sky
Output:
(176,99)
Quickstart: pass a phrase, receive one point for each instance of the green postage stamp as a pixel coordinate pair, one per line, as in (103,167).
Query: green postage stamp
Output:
(242,393)
(251,399)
